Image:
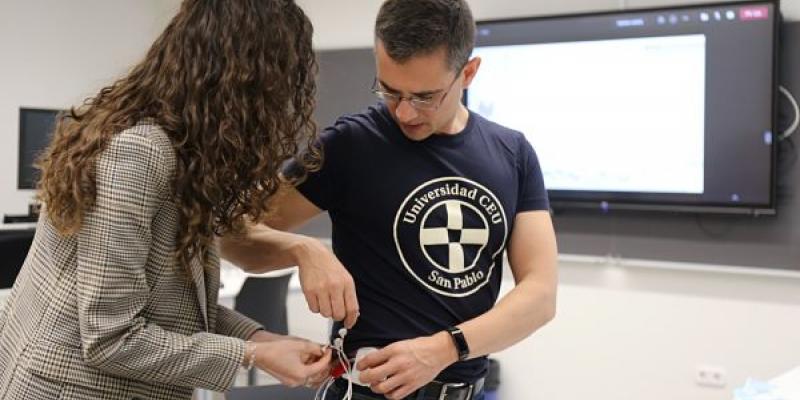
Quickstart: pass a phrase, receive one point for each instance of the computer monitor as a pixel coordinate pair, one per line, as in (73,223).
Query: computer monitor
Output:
(656,109)
(35,130)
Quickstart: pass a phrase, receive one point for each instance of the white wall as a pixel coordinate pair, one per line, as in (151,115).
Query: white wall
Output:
(348,23)
(640,333)
(55,53)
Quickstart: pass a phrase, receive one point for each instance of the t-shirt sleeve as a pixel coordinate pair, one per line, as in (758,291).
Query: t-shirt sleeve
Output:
(325,186)
(532,195)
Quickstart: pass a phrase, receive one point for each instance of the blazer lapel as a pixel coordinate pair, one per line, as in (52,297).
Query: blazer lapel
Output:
(212,289)
(198,277)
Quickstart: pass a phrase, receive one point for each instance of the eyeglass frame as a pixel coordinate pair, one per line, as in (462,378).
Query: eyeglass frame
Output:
(412,100)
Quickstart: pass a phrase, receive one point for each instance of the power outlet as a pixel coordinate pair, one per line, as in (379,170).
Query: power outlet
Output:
(710,376)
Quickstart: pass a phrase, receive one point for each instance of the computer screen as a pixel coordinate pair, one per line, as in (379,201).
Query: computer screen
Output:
(35,130)
(663,109)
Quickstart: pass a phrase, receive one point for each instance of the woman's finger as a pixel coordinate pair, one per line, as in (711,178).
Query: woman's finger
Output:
(320,366)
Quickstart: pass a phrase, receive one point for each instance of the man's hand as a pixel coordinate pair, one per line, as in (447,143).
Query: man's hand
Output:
(327,286)
(401,368)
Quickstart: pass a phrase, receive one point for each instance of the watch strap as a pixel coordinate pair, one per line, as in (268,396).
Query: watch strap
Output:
(460,342)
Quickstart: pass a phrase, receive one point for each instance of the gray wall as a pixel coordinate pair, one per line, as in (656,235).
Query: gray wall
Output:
(766,241)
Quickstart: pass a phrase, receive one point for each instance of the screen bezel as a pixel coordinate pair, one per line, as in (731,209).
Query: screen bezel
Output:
(22,143)
(607,201)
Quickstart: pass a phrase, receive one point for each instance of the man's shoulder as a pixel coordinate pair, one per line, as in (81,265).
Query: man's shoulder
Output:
(365,118)
(370,122)
(495,129)
(501,134)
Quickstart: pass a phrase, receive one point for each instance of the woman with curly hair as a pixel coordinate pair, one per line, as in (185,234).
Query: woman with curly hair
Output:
(117,298)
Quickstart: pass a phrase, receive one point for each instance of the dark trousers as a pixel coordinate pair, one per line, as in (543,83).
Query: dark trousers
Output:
(337,391)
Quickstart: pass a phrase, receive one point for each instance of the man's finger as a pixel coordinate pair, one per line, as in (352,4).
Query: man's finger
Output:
(325,305)
(351,305)
(400,392)
(378,373)
(313,305)
(387,385)
(375,358)
(337,305)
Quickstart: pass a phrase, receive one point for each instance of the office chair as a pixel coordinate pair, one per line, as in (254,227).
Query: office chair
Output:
(264,300)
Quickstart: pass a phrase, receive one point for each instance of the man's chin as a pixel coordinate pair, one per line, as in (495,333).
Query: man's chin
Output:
(416,132)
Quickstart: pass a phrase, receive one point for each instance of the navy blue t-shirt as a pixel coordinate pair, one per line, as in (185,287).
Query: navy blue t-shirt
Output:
(422,226)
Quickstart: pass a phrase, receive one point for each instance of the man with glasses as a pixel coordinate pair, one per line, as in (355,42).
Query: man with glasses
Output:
(425,197)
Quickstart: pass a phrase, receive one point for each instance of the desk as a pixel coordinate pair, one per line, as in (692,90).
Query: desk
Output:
(18,227)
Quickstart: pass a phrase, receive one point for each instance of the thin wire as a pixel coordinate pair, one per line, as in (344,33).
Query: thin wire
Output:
(338,348)
(793,127)
(324,389)
(347,370)
(718,234)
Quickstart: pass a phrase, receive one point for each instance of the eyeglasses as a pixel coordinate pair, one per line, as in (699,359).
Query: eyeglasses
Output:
(419,103)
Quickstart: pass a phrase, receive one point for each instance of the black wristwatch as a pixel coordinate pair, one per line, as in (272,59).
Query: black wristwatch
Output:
(461,343)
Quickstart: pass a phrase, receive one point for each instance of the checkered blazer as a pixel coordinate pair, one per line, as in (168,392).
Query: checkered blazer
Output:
(106,313)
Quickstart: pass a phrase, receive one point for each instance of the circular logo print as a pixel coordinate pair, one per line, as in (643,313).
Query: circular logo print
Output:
(448,232)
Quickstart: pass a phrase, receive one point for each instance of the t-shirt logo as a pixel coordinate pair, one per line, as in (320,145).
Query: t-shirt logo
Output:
(448,232)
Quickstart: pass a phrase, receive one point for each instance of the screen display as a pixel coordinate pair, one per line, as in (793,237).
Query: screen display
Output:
(35,130)
(655,109)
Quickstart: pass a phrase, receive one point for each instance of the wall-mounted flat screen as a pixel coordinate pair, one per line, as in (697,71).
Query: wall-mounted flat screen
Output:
(662,109)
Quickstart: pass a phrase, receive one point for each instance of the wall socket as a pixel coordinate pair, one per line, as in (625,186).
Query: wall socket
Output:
(710,376)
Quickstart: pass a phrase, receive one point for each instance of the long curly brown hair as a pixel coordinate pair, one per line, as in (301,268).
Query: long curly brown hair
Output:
(232,83)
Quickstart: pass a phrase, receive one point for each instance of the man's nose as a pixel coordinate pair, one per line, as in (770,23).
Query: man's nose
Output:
(405,112)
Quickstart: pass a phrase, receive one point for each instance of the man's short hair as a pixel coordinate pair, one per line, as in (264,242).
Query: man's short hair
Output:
(409,28)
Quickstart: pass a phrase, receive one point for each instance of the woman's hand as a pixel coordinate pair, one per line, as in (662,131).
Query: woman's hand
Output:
(292,362)
(265,336)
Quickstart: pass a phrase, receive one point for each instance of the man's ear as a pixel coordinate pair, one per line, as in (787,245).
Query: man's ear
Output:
(470,70)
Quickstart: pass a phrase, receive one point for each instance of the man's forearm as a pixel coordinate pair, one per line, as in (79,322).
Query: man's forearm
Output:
(263,249)
(525,309)
(532,256)
(328,287)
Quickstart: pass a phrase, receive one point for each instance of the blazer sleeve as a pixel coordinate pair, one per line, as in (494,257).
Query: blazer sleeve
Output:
(234,323)
(3,313)
(133,179)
